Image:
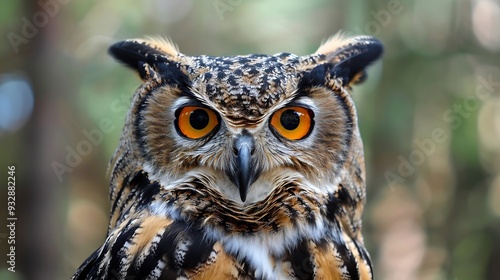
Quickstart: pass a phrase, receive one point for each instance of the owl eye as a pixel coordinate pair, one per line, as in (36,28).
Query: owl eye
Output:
(293,123)
(196,122)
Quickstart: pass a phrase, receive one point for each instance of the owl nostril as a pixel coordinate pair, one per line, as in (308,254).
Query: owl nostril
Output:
(236,150)
(244,141)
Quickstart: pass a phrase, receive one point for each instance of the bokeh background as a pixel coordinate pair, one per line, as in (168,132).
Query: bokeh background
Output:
(429,116)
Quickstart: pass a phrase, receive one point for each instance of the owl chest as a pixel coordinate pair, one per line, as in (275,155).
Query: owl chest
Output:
(288,253)
(174,238)
(253,258)
(210,239)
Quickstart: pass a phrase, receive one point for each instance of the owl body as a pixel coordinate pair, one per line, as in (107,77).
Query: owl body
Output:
(242,167)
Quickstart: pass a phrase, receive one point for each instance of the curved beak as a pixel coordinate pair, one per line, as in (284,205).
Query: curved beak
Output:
(243,174)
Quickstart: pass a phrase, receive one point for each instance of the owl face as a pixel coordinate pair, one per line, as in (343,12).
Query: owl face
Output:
(242,167)
(243,125)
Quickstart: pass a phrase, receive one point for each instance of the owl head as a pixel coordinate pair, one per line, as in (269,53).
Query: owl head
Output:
(243,125)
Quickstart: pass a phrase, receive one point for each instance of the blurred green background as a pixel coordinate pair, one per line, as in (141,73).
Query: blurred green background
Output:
(429,116)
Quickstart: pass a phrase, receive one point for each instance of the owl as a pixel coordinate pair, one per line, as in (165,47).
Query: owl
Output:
(238,167)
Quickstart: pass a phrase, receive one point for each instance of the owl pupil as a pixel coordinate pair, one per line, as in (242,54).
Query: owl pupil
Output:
(199,119)
(290,119)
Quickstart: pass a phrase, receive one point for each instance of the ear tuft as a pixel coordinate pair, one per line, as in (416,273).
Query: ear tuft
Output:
(333,43)
(351,56)
(135,53)
(164,44)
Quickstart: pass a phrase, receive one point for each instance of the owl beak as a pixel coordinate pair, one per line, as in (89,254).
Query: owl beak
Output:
(243,174)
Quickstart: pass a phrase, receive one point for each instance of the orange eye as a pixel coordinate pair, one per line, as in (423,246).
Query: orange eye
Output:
(293,123)
(196,122)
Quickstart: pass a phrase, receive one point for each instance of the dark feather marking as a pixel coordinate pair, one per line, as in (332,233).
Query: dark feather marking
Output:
(137,183)
(148,189)
(346,255)
(349,127)
(197,253)
(146,267)
(364,255)
(332,207)
(171,74)
(365,54)
(313,78)
(117,251)
(123,207)
(301,261)
(89,266)
(118,167)
(134,54)
(138,126)
(168,243)
(119,194)
(344,197)
(309,214)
